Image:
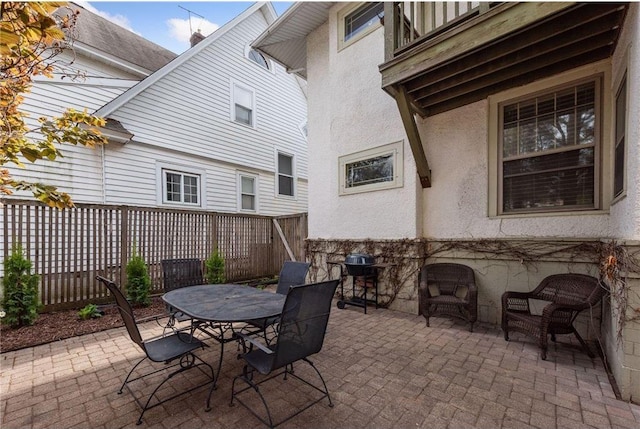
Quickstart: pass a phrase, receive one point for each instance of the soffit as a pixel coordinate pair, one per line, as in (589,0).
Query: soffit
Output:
(285,40)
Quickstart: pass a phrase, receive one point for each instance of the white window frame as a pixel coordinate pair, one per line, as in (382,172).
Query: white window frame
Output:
(342,31)
(240,175)
(395,149)
(162,168)
(247,51)
(304,130)
(235,84)
(293,177)
(602,170)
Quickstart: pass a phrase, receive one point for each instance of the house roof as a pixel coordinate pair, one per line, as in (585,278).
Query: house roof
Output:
(94,33)
(285,39)
(116,103)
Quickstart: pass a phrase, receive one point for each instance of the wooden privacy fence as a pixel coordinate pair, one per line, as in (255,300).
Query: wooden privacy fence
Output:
(68,248)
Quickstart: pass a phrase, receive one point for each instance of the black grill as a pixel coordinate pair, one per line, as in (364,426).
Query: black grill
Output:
(359,264)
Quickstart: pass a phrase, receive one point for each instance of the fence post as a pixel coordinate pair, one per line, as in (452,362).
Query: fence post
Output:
(124,240)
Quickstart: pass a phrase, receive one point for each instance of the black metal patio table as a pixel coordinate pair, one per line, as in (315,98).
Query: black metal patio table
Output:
(218,306)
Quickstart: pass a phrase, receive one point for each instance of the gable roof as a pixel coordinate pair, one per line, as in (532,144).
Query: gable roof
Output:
(285,40)
(94,33)
(116,103)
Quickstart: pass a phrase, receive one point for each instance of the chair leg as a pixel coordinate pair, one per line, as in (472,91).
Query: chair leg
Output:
(124,383)
(247,377)
(584,344)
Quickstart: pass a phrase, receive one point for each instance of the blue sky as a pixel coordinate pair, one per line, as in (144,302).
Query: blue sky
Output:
(166,23)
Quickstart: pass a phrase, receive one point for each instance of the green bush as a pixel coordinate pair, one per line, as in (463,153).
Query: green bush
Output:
(20,299)
(90,311)
(214,268)
(138,282)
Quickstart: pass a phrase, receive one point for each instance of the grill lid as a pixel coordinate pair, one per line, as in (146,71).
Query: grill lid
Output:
(359,259)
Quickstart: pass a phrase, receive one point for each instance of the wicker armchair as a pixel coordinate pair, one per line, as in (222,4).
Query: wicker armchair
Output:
(567,294)
(448,289)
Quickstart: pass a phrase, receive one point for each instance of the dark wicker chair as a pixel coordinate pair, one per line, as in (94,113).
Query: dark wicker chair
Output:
(448,289)
(291,274)
(567,294)
(301,332)
(174,351)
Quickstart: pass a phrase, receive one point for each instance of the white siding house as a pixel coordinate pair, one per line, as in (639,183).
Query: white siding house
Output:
(219,128)
(432,105)
(106,61)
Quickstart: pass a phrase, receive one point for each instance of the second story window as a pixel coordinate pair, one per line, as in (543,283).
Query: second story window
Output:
(243,110)
(356,23)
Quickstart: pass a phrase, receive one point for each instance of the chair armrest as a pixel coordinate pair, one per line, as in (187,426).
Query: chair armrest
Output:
(246,338)
(472,294)
(518,301)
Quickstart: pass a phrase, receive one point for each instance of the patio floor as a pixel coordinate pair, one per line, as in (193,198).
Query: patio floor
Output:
(384,370)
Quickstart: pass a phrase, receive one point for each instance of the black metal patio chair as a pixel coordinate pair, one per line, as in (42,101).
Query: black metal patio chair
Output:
(291,274)
(174,350)
(179,273)
(301,332)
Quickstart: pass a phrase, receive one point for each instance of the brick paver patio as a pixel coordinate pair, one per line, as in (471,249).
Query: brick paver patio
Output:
(384,370)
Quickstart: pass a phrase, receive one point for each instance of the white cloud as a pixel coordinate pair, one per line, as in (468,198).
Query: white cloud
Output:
(120,20)
(180,29)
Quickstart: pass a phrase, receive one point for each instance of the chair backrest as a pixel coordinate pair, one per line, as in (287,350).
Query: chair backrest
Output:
(177,273)
(303,323)
(126,312)
(573,289)
(448,276)
(291,274)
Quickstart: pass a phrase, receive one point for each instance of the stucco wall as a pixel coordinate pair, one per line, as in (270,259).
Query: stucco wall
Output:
(348,112)
(625,213)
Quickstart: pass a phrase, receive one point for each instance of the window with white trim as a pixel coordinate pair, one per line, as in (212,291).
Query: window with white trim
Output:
(371,170)
(357,21)
(243,105)
(620,134)
(286,177)
(180,188)
(257,58)
(247,192)
(549,150)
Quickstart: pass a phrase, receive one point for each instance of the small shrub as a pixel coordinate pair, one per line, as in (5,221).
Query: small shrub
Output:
(214,268)
(90,311)
(20,299)
(138,282)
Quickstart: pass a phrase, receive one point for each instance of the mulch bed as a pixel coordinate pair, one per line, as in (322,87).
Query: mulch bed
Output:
(59,325)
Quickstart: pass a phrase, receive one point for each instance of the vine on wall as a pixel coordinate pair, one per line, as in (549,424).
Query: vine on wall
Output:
(405,257)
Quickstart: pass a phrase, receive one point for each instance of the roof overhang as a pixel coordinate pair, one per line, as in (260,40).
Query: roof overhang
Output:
(285,41)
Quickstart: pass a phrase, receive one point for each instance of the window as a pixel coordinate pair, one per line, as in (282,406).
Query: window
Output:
(620,133)
(548,150)
(285,175)
(304,129)
(371,170)
(257,58)
(247,195)
(243,105)
(356,22)
(180,188)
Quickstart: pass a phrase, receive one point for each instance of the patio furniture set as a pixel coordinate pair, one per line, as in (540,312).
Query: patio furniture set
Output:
(275,330)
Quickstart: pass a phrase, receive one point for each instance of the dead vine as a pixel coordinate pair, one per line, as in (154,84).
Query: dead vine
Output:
(406,257)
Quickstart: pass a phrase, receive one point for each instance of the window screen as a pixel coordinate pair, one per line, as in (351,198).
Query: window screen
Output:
(549,151)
